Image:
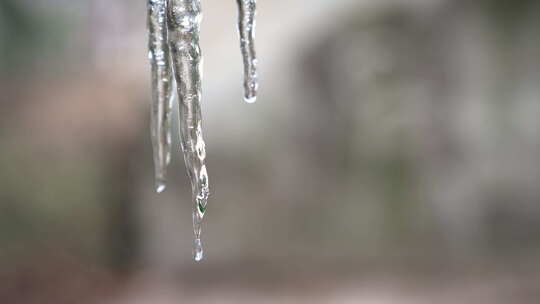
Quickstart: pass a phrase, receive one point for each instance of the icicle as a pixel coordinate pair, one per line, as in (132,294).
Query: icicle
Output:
(246,29)
(184,19)
(174,27)
(161,89)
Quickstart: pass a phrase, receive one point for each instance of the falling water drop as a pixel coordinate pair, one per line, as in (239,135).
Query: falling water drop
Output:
(246,29)
(184,19)
(161,90)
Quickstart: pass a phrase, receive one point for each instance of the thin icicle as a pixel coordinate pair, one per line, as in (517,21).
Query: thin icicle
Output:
(161,89)
(246,29)
(184,20)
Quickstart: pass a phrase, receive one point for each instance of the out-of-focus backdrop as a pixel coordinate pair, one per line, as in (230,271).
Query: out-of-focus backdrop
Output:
(393,156)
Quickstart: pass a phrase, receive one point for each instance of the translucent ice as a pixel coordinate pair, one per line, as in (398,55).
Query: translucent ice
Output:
(161,89)
(184,20)
(246,29)
(176,61)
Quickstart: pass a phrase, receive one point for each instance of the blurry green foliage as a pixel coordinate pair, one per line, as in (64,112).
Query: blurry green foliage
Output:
(28,36)
(508,15)
(47,203)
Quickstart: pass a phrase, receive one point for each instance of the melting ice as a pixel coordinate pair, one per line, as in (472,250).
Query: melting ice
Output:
(176,64)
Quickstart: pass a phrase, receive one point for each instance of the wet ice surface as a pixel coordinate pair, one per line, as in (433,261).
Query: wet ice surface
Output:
(184,19)
(246,30)
(161,90)
(175,56)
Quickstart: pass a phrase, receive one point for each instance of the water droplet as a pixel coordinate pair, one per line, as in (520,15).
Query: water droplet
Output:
(251,99)
(160,187)
(198,252)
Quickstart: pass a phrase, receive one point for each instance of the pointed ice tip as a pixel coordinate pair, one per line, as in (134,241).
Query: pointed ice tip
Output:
(198,253)
(250,99)
(160,187)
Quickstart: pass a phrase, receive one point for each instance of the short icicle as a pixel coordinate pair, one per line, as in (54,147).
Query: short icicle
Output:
(161,89)
(246,29)
(184,19)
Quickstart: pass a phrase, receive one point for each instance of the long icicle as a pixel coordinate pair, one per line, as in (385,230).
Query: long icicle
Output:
(161,89)
(246,28)
(184,19)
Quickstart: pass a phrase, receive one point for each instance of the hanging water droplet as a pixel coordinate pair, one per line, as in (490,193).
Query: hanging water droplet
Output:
(160,186)
(198,252)
(252,99)
(246,30)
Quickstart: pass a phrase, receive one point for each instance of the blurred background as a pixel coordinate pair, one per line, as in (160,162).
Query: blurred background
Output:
(393,156)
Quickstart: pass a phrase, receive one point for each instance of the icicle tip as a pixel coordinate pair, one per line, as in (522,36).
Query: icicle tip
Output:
(250,99)
(198,253)
(160,186)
